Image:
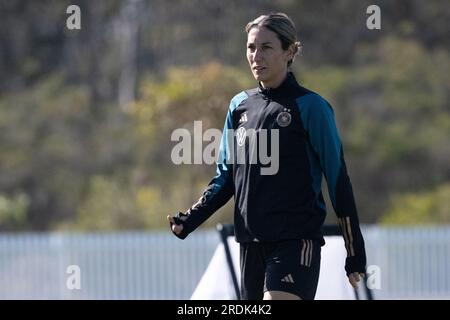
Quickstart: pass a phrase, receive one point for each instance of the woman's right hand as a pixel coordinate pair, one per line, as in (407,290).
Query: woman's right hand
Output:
(176,228)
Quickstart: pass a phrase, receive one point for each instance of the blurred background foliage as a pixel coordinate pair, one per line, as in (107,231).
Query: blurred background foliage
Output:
(86,115)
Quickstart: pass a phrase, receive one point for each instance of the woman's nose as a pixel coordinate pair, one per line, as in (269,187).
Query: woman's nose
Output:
(257,55)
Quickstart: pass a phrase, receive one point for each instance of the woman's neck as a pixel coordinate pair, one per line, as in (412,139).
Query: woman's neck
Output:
(274,84)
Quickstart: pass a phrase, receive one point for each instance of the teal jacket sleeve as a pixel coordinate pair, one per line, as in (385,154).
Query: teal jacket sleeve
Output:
(221,188)
(318,120)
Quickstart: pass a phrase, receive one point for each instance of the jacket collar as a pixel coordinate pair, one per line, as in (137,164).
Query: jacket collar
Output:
(288,83)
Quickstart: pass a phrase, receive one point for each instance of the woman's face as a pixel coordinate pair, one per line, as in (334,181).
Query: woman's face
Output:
(266,57)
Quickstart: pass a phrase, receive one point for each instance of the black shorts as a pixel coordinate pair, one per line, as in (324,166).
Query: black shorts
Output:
(289,265)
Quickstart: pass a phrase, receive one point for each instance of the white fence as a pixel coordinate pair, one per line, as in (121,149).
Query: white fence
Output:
(414,263)
(151,265)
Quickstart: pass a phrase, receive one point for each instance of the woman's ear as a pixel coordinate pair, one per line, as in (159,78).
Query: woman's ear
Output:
(290,53)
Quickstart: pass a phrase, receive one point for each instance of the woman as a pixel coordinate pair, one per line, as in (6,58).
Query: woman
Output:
(278,216)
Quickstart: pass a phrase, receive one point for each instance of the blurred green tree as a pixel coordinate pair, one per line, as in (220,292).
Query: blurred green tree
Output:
(431,207)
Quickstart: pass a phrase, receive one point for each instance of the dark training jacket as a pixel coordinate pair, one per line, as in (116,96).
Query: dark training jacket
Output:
(288,204)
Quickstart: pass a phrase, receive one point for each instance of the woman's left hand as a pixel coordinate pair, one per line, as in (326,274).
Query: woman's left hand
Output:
(354,278)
